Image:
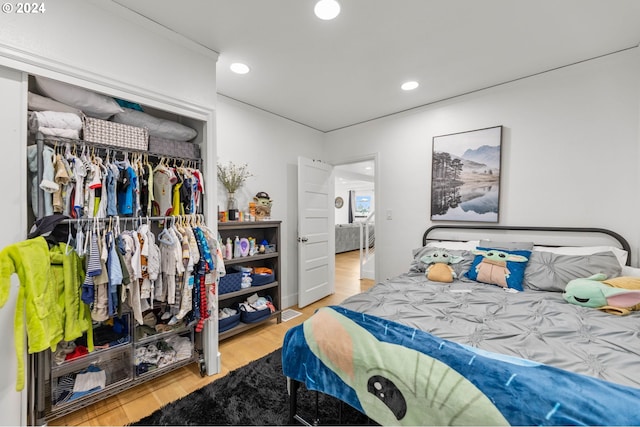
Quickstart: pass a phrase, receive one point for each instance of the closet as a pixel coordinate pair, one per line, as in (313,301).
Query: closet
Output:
(139,207)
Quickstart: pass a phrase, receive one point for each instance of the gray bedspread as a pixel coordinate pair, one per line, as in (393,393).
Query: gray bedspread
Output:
(348,237)
(534,325)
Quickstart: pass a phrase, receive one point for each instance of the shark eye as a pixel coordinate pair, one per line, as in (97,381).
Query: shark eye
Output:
(389,394)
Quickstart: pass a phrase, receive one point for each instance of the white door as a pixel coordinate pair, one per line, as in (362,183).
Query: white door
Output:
(316,235)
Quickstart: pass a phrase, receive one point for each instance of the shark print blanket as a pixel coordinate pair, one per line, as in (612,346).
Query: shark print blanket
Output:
(399,375)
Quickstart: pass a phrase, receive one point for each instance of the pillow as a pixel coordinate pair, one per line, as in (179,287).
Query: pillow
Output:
(128,104)
(499,267)
(551,272)
(460,268)
(621,254)
(507,246)
(36,102)
(630,271)
(160,128)
(454,245)
(91,103)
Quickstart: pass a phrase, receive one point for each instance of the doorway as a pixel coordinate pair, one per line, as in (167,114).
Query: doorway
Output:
(355,196)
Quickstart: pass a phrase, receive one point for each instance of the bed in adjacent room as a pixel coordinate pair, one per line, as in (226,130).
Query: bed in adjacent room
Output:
(348,237)
(506,342)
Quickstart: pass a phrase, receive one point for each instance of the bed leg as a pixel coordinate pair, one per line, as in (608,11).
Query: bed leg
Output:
(293,399)
(316,421)
(293,386)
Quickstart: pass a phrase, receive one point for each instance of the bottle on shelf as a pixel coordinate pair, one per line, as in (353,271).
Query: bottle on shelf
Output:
(236,247)
(228,249)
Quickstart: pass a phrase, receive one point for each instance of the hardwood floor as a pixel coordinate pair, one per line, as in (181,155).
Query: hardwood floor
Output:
(140,401)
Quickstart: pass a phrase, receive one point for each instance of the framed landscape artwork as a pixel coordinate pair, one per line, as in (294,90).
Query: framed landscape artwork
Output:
(465,176)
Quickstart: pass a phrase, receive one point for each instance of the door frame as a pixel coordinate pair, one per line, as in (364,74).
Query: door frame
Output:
(375,157)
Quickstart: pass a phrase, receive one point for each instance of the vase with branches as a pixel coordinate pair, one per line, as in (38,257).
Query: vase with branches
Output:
(232,177)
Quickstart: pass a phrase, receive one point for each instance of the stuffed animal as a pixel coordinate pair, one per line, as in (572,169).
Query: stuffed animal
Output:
(619,295)
(493,267)
(438,268)
(263,205)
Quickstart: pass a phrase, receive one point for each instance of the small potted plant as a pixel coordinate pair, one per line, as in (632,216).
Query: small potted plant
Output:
(232,177)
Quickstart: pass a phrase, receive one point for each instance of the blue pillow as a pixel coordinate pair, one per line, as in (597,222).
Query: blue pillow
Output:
(499,267)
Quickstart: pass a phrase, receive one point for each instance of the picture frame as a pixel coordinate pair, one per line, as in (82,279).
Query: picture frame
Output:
(465,176)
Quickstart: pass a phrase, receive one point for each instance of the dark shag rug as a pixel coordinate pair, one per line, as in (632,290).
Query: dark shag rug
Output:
(255,394)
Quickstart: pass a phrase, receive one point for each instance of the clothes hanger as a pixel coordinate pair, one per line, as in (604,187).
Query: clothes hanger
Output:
(68,249)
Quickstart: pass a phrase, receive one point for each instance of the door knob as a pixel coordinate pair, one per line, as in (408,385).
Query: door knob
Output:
(303,239)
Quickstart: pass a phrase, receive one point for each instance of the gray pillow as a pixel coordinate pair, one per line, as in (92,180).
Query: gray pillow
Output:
(548,271)
(460,268)
(157,127)
(506,246)
(91,103)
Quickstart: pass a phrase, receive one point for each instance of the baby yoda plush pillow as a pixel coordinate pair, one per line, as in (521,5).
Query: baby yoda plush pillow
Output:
(460,268)
(500,267)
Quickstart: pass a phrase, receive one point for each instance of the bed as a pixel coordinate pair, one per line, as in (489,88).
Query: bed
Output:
(413,351)
(348,237)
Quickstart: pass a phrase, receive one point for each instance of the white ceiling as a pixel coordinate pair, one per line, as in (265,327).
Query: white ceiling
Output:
(332,74)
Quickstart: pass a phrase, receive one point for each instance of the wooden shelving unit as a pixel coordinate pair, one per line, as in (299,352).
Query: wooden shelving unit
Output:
(260,230)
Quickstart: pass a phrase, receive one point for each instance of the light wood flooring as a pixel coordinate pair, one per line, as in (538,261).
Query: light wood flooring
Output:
(133,404)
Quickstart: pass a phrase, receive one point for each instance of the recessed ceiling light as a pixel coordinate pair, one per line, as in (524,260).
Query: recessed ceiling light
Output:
(239,68)
(327,9)
(409,85)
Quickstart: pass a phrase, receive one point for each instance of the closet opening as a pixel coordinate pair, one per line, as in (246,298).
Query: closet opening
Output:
(126,184)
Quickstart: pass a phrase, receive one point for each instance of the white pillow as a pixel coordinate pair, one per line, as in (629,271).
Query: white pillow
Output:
(630,271)
(157,127)
(91,103)
(36,102)
(453,245)
(620,254)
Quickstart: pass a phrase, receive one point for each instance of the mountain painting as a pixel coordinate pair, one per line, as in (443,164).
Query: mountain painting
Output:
(465,176)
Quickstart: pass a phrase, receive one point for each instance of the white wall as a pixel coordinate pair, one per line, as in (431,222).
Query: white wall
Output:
(569,155)
(100,41)
(99,45)
(12,129)
(270,145)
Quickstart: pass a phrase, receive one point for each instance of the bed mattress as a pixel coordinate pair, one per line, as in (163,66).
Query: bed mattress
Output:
(535,325)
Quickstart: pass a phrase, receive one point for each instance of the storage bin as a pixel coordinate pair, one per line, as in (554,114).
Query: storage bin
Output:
(254,316)
(160,354)
(262,279)
(171,148)
(228,322)
(115,134)
(108,368)
(230,282)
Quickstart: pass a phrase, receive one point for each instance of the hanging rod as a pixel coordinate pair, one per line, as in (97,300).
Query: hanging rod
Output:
(189,217)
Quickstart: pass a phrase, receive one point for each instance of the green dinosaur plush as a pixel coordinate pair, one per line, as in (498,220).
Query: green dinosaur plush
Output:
(394,384)
(438,268)
(619,295)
